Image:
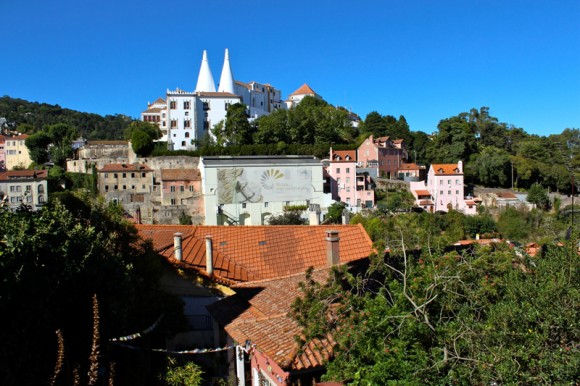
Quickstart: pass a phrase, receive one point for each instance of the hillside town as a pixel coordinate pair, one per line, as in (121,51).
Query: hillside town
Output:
(265,255)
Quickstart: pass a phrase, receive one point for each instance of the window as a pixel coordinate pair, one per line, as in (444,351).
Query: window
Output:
(348,170)
(457,192)
(265,205)
(142,175)
(191,188)
(457,182)
(116,187)
(186,105)
(106,188)
(28,198)
(172,105)
(124,187)
(124,175)
(187,134)
(173,123)
(15,188)
(182,188)
(143,186)
(243,205)
(449,192)
(172,189)
(338,170)
(13,199)
(206,105)
(115,175)
(173,201)
(41,199)
(182,143)
(132,175)
(348,188)
(187,123)
(440,182)
(441,192)
(449,182)
(106,175)
(348,180)
(40,188)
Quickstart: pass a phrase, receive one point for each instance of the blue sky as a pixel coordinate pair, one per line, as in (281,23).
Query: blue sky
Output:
(426,60)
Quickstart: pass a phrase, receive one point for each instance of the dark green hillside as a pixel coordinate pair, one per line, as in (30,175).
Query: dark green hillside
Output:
(31,117)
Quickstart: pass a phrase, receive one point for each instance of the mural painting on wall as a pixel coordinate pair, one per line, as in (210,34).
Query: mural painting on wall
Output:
(247,185)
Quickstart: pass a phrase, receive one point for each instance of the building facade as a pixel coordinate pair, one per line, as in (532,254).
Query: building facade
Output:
(26,187)
(17,154)
(125,183)
(444,188)
(383,154)
(249,190)
(347,185)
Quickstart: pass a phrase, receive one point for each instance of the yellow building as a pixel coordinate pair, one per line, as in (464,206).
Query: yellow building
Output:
(17,154)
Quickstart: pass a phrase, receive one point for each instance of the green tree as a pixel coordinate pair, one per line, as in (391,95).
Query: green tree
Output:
(512,224)
(491,167)
(141,143)
(61,135)
(185,373)
(151,129)
(374,124)
(455,140)
(538,195)
(52,262)
(37,145)
(334,215)
(237,129)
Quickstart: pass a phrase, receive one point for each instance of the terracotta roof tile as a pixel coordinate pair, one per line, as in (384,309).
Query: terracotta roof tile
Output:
(180,175)
(509,195)
(259,312)
(17,174)
(304,90)
(248,253)
(342,155)
(411,167)
(445,169)
(124,168)
(421,192)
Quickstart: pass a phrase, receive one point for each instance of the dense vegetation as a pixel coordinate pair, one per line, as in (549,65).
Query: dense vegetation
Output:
(428,313)
(52,263)
(30,117)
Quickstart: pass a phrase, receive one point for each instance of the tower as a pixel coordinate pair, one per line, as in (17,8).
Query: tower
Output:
(227,77)
(205,79)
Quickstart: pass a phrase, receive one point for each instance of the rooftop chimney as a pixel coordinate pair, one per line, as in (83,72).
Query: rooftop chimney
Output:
(177,246)
(332,248)
(208,255)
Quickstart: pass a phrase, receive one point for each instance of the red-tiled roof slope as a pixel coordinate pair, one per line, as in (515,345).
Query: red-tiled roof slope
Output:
(260,315)
(17,174)
(275,251)
(344,155)
(445,169)
(248,253)
(125,168)
(180,175)
(304,90)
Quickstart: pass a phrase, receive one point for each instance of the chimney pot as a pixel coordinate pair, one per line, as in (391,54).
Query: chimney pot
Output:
(177,246)
(208,255)
(332,248)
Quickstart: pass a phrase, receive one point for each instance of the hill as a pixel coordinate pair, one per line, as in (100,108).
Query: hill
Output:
(30,117)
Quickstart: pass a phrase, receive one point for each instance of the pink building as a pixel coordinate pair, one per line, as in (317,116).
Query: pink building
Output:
(446,189)
(345,184)
(180,186)
(383,153)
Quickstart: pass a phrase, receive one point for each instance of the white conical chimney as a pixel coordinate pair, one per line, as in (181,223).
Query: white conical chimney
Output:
(227,77)
(205,79)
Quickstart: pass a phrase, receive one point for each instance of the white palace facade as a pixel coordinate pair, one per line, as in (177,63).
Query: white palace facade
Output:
(185,117)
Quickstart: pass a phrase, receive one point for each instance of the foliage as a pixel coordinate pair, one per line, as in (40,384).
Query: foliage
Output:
(185,219)
(37,145)
(289,217)
(52,262)
(151,129)
(182,374)
(141,143)
(486,317)
(334,215)
(538,195)
(31,117)
(513,224)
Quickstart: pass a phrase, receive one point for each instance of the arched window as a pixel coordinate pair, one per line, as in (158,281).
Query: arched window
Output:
(40,189)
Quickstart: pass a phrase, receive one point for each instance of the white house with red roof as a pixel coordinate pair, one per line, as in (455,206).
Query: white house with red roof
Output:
(23,187)
(444,190)
(296,97)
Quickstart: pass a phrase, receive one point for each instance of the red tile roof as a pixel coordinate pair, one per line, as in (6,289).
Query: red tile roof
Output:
(342,155)
(249,253)
(509,195)
(125,168)
(304,90)
(259,312)
(17,174)
(411,167)
(426,202)
(445,169)
(423,192)
(180,175)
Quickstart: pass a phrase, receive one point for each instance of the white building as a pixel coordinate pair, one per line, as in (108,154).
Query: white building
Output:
(186,117)
(248,190)
(27,187)
(296,97)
